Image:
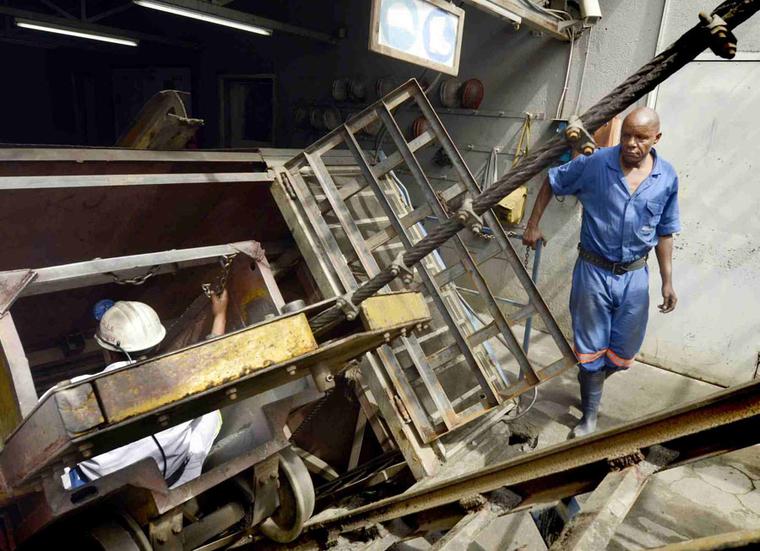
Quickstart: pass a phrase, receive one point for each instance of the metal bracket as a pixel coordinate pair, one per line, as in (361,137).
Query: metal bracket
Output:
(266,477)
(467,217)
(347,307)
(323,377)
(398,267)
(12,284)
(723,42)
(164,531)
(579,137)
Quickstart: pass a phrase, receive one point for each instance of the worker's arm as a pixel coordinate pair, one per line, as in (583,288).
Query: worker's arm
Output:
(664,250)
(219,309)
(533,233)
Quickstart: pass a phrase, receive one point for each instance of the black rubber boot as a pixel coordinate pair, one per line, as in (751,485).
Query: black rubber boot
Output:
(609,371)
(592,384)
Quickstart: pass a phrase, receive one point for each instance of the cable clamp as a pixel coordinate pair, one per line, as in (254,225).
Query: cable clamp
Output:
(347,306)
(398,268)
(467,217)
(722,41)
(579,137)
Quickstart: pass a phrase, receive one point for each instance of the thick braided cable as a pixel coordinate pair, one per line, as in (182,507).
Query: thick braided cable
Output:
(684,50)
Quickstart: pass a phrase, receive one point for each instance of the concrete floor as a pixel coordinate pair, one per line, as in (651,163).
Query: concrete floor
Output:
(712,496)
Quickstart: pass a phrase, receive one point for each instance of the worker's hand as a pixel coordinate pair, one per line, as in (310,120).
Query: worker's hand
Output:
(669,299)
(532,235)
(219,303)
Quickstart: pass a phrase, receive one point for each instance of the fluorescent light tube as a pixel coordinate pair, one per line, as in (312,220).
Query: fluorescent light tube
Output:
(58,29)
(202,16)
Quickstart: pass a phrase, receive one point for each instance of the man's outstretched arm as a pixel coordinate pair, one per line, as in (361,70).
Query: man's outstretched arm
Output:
(532,231)
(664,250)
(219,310)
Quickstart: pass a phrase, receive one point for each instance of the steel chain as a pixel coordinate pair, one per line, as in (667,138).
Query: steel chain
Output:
(210,289)
(137,280)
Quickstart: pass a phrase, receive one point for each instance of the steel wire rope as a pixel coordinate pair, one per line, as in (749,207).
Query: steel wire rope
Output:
(662,66)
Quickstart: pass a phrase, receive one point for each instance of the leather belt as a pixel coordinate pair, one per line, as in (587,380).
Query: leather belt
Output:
(616,268)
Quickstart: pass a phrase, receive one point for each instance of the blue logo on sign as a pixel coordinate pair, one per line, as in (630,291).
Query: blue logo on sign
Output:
(398,20)
(439,35)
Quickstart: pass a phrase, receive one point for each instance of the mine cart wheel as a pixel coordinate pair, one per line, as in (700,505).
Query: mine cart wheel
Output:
(296,493)
(118,533)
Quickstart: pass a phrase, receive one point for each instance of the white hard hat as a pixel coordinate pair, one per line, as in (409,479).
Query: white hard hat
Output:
(130,327)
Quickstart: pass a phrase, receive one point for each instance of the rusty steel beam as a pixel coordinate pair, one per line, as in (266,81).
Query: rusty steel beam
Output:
(723,422)
(607,506)
(113,154)
(111,180)
(106,270)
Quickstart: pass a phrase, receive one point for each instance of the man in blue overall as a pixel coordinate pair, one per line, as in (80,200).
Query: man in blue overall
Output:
(630,204)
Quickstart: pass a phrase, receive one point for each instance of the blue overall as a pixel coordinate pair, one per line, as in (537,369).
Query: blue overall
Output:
(610,311)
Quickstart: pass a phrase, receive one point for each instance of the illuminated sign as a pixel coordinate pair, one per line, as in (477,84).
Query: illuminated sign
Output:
(425,32)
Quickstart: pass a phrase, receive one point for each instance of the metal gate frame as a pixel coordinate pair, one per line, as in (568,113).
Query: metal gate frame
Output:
(323,253)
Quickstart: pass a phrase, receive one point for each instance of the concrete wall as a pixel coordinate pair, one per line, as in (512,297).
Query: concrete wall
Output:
(711,141)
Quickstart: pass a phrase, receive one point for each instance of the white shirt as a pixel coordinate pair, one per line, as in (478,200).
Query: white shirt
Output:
(188,442)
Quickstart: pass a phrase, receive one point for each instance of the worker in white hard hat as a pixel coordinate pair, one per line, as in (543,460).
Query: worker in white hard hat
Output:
(129,331)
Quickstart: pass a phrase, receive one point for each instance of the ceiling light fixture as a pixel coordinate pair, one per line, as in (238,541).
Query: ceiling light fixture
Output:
(202,16)
(73,31)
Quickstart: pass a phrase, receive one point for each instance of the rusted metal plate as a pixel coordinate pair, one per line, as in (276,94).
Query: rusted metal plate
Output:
(162,123)
(16,367)
(393,309)
(11,414)
(164,380)
(35,442)
(251,296)
(79,408)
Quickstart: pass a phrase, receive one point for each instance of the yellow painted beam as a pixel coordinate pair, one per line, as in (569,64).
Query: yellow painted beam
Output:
(394,309)
(161,381)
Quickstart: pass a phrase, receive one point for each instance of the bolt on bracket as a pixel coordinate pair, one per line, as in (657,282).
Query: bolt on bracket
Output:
(398,267)
(347,307)
(579,137)
(467,217)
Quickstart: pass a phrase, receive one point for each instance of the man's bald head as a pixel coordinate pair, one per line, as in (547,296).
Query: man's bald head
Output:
(644,116)
(641,130)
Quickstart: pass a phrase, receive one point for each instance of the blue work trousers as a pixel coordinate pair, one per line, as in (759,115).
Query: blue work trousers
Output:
(610,314)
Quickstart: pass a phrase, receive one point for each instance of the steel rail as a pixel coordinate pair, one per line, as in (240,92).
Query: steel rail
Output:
(722,422)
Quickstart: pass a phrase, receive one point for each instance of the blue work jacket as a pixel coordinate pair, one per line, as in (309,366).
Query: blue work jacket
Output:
(618,225)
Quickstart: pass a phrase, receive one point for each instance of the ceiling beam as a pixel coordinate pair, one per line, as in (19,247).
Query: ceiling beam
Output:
(531,18)
(59,11)
(109,13)
(91,27)
(250,19)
